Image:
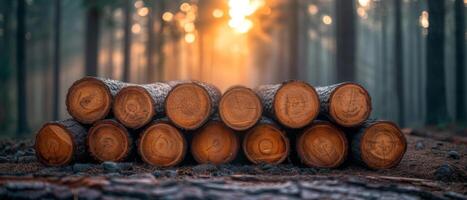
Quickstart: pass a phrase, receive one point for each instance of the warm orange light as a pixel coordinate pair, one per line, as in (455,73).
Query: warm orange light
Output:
(364,3)
(167,16)
(239,11)
(362,12)
(136,28)
(217,13)
(189,27)
(185,7)
(423,19)
(190,38)
(143,11)
(327,19)
(312,9)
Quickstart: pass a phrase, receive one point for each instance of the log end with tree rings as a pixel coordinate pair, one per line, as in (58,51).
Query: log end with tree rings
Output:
(188,105)
(349,105)
(214,143)
(240,108)
(265,143)
(322,145)
(108,140)
(162,145)
(134,107)
(54,145)
(88,100)
(296,104)
(381,145)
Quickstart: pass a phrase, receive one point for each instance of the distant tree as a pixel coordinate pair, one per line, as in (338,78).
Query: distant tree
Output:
(293,38)
(460,61)
(345,40)
(127,40)
(93,15)
(159,9)
(435,80)
(21,67)
(151,68)
(398,57)
(56,69)
(5,62)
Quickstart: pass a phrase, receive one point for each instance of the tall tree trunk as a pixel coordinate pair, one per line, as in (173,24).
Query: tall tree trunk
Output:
(435,81)
(56,69)
(92,39)
(345,40)
(127,41)
(21,67)
(398,57)
(150,75)
(160,40)
(460,61)
(293,39)
(5,68)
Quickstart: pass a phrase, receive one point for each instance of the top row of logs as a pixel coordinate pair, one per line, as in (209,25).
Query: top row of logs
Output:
(189,104)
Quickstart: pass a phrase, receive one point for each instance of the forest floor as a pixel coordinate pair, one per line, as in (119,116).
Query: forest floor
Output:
(432,168)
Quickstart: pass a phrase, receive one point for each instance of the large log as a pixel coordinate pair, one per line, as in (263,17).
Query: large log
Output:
(240,108)
(162,144)
(266,143)
(214,143)
(90,98)
(60,143)
(347,104)
(322,145)
(189,104)
(136,105)
(294,103)
(108,140)
(378,144)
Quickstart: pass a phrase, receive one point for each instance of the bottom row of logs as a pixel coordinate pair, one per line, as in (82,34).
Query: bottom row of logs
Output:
(376,144)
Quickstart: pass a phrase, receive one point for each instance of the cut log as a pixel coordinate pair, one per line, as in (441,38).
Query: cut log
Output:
(162,145)
(189,104)
(90,98)
(214,143)
(378,144)
(240,108)
(136,105)
(60,143)
(108,140)
(347,104)
(266,143)
(294,104)
(322,145)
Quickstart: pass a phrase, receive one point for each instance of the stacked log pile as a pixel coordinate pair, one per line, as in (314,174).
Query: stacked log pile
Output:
(160,122)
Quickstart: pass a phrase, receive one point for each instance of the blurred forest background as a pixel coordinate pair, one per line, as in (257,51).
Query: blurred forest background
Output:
(409,54)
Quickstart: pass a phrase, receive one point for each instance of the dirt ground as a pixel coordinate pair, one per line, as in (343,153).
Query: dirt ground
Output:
(430,169)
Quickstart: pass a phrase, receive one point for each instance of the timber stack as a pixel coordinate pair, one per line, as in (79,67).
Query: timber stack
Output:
(164,122)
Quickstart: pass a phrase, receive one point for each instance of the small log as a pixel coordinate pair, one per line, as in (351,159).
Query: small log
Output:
(240,108)
(322,145)
(60,143)
(266,143)
(189,104)
(108,140)
(378,144)
(215,144)
(294,104)
(347,104)
(90,98)
(136,105)
(161,144)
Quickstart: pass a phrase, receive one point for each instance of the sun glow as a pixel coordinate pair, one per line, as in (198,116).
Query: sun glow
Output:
(239,11)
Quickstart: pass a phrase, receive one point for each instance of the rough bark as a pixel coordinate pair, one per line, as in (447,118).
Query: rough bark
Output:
(326,94)
(112,87)
(157,93)
(381,145)
(78,134)
(106,144)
